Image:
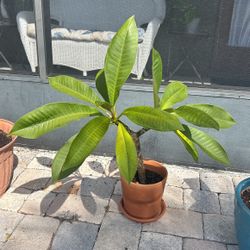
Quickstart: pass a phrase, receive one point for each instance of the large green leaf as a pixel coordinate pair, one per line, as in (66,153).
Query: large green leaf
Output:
(157,75)
(59,160)
(126,155)
(189,145)
(174,92)
(120,58)
(197,117)
(153,118)
(74,87)
(81,146)
(101,85)
(207,143)
(223,118)
(49,117)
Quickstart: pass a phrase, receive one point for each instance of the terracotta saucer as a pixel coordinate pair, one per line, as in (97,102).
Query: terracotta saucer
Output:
(140,220)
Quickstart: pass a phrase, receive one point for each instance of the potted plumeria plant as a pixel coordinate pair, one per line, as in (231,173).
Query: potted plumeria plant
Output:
(142,181)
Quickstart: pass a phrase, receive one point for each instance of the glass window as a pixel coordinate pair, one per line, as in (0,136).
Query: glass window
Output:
(231,58)
(186,39)
(207,42)
(203,43)
(17,36)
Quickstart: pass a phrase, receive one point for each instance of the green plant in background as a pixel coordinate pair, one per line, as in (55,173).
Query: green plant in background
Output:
(182,12)
(162,116)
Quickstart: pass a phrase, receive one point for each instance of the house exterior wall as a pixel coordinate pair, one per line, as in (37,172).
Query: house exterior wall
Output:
(17,97)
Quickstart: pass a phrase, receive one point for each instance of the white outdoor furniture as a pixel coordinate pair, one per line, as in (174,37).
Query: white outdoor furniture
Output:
(94,15)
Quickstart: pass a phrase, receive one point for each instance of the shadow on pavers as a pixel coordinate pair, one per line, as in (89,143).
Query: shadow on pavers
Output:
(85,187)
(15,164)
(45,161)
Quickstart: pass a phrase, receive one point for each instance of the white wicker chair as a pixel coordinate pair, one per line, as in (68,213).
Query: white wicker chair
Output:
(102,15)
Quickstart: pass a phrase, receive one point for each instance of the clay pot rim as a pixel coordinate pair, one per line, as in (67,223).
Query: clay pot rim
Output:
(13,138)
(147,163)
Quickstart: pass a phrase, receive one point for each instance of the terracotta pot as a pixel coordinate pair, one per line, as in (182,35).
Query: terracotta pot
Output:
(143,202)
(6,158)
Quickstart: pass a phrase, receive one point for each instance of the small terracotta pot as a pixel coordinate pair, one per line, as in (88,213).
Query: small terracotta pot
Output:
(143,202)
(6,158)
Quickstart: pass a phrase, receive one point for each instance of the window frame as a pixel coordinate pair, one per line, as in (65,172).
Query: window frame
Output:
(43,37)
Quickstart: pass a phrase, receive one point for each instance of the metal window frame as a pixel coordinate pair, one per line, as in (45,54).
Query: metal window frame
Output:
(43,37)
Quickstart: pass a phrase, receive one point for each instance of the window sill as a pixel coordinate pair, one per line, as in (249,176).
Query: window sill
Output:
(144,86)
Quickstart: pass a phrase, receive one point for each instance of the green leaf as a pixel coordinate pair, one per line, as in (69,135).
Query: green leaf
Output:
(101,85)
(152,118)
(49,117)
(74,87)
(120,58)
(207,143)
(197,117)
(157,75)
(189,145)
(126,155)
(223,118)
(174,92)
(81,146)
(104,105)
(60,158)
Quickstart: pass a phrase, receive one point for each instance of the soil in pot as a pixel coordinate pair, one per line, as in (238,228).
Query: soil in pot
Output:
(151,177)
(4,139)
(245,195)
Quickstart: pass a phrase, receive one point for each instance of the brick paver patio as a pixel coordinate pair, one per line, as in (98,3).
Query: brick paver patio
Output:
(82,213)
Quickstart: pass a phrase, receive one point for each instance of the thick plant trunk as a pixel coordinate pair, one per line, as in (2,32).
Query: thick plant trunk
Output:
(136,137)
(140,169)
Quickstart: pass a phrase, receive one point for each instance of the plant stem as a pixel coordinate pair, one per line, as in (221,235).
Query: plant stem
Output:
(140,168)
(142,131)
(136,138)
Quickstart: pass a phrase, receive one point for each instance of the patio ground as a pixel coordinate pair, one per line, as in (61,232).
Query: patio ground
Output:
(82,213)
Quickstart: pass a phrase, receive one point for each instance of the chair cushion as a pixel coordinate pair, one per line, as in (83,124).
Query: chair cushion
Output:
(61,33)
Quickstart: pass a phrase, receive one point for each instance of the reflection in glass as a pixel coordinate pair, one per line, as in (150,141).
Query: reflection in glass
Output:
(87,27)
(12,55)
(240,26)
(201,42)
